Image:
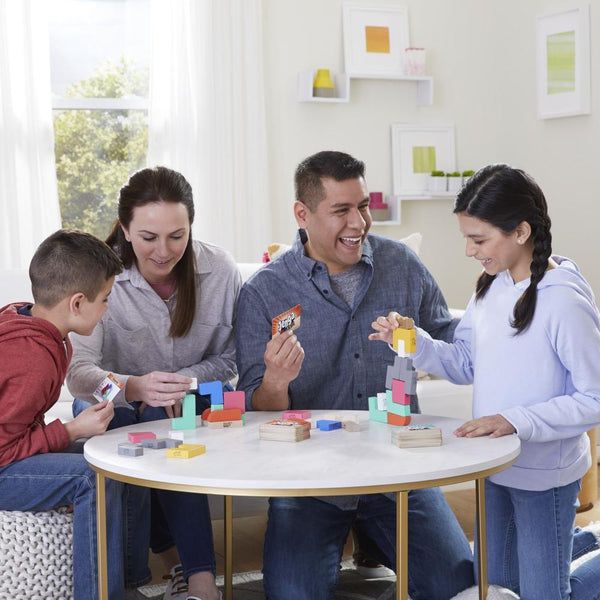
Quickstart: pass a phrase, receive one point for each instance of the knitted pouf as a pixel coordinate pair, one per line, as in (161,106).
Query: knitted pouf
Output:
(36,555)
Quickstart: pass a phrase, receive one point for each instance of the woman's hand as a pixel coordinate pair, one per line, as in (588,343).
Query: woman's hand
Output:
(385,327)
(91,421)
(158,389)
(493,425)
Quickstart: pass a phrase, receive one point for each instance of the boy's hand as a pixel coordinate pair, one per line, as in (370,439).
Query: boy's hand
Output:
(92,421)
(158,388)
(385,326)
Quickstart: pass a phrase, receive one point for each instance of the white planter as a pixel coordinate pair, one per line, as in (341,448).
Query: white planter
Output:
(454,184)
(437,184)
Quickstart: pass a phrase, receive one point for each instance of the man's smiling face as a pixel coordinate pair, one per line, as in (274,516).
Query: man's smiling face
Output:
(338,227)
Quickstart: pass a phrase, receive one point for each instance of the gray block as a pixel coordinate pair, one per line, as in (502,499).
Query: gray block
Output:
(129,449)
(155,443)
(172,443)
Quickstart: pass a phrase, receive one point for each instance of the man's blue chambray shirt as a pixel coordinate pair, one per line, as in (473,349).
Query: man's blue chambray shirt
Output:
(341,367)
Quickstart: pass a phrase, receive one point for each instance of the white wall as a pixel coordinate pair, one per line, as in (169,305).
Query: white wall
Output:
(481,54)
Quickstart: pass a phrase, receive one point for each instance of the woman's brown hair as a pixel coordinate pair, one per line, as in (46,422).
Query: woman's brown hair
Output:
(160,184)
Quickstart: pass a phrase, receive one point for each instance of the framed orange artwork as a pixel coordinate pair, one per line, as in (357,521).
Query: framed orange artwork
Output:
(374,40)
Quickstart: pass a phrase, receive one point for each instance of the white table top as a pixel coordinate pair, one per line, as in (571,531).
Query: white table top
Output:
(237,462)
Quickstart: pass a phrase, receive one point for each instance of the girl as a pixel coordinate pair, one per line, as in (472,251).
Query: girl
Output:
(530,344)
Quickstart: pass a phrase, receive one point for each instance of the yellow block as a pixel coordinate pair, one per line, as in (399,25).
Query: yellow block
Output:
(408,336)
(186,451)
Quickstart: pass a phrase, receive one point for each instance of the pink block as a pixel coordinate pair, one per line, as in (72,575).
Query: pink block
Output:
(295,414)
(138,436)
(398,395)
(234,400)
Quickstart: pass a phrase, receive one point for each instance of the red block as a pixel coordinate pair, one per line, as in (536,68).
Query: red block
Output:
(397,420)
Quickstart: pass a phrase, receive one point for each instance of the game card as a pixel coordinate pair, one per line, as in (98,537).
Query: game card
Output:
(290,319)
(108,388)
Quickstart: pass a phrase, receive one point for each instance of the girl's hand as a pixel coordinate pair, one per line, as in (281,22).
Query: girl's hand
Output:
(158,388)
(493,425)
(385,327)
(91,421)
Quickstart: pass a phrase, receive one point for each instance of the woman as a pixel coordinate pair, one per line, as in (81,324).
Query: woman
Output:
(170,318)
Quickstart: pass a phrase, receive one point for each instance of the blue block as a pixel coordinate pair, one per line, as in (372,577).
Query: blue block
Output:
(214,389)
(327,425)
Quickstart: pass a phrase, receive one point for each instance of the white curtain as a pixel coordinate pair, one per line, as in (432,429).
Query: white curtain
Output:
(207,116)
(29,209)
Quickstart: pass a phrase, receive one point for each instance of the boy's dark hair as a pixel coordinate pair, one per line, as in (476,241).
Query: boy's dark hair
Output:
(71,261)
(309,173)
(504,197)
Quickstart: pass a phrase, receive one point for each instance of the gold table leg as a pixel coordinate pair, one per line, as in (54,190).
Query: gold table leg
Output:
(481,538)
(401,545)
(228,532)
(101,535)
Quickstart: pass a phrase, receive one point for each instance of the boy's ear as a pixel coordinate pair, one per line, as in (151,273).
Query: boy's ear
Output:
(76,302)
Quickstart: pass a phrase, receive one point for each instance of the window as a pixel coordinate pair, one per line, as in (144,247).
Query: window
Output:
(99,53)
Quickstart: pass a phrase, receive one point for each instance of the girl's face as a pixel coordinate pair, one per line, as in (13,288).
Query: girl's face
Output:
(159,233)
(498,251)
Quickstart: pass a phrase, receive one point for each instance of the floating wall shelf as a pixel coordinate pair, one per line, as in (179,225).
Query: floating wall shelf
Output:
(395,204)
(342,87)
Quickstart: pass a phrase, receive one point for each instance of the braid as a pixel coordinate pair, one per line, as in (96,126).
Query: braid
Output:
(483,285)
(542,249)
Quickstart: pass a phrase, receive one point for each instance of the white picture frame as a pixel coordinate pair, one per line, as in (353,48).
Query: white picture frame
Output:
(375,38)
(416,151)
(563,63)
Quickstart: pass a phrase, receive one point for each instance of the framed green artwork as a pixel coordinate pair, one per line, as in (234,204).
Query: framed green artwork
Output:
(563,63)
(417,151)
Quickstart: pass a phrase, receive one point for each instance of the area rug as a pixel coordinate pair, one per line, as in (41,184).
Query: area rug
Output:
(352,585)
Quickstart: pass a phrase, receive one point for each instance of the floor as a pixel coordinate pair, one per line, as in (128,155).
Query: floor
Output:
(248,533)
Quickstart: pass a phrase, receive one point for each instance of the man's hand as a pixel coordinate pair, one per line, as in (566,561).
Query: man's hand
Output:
(283,360)
(494,426)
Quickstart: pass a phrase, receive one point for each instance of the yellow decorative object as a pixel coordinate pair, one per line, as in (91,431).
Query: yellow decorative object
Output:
(322,84)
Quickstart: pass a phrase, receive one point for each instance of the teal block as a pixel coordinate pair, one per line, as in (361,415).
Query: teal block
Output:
(389,396)
(402,410)
(372,403)
(216,407)
(378,415)
(188,418)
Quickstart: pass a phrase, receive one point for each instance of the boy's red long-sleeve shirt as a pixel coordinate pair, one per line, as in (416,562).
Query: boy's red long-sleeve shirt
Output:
(33,363)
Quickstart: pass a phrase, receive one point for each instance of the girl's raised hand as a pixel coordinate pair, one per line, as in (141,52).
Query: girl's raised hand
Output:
(493,425)
(384,326)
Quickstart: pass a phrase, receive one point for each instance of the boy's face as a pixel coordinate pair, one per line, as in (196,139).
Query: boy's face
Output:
(91,312)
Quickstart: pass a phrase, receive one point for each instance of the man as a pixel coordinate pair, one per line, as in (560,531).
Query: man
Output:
(343,279)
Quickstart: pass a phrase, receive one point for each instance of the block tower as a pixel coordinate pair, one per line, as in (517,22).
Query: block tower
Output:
(393,406)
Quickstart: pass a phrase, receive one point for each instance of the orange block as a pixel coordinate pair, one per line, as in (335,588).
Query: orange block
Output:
(227,414)
(397,420)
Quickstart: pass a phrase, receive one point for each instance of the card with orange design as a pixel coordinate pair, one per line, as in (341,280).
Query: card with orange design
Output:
(290,319)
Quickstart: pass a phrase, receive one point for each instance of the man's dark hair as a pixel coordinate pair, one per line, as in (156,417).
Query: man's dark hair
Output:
(71,261)
(310,172)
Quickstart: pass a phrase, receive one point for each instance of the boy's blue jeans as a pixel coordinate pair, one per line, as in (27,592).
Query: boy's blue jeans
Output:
(46,481)
(159,519)
(305,538)
(530,544)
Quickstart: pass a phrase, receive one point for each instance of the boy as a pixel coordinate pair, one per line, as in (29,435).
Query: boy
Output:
(71,277)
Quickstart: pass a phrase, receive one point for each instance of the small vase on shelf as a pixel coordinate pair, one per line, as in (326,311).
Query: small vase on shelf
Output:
(322,85)
(437,182)
(379,209)
(454,182)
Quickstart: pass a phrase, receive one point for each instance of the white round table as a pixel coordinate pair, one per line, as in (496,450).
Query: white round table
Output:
(238,463)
